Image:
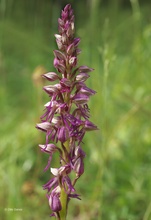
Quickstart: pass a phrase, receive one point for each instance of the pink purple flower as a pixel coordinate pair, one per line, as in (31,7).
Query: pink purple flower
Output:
(66,117)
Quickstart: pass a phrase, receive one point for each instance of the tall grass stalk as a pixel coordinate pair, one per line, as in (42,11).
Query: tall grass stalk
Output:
(136,9)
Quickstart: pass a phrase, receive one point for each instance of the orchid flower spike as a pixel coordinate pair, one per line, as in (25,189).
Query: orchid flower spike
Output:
(66,117)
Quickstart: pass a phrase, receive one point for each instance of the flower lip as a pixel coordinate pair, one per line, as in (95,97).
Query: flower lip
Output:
(63,134)
(67,185)
(51,183)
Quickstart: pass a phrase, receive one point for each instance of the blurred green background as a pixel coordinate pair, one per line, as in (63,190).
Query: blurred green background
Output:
(116,42)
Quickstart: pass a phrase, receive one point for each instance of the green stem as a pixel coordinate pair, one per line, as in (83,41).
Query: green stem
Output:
(63,195)
(63,199)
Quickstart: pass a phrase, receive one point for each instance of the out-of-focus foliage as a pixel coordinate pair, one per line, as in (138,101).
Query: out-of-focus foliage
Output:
(116,42)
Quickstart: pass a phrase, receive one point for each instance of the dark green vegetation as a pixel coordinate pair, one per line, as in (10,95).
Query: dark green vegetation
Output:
(116,42)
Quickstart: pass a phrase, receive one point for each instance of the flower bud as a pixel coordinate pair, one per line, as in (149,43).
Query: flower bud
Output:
(89,126)
(51,76)
(64,38)
(56,121)
(80,99)
(73,61)
(82,77)
(52,89)
(85,69)
(79,166)
(76,41)
(59,65)
(58,37)
(70,49)
(56,62)
(48,148)
(64,15)
(59,55)
(65,82)
(70,30)
(87,91)
(44,126)
(60,22)
(65,85)
(60,45)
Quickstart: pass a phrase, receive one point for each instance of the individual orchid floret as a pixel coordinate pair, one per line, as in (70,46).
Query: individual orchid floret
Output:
(51,76)
(66,117)
(54,201)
